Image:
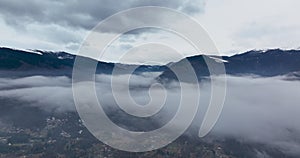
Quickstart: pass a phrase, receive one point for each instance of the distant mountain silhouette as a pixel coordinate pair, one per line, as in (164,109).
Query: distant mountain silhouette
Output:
(55,63)
(263,63)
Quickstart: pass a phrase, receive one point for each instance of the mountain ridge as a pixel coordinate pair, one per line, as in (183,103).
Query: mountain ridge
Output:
(270,62)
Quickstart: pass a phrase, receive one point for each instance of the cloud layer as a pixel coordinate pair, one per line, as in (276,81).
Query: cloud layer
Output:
(259,110)
(235,26)
(80,14)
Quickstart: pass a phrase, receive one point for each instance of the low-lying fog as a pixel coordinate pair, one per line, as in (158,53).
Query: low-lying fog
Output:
(261,110)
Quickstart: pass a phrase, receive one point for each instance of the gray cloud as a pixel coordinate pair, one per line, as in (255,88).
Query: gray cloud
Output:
(61,26)
(80,14)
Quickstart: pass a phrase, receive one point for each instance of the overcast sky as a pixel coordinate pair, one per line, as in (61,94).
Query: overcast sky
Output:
(234,25)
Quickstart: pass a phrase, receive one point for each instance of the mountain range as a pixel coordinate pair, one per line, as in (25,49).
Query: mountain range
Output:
(265,63)
(35,119)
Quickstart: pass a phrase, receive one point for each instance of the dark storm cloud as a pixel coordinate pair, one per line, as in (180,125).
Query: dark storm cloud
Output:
(80,14)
